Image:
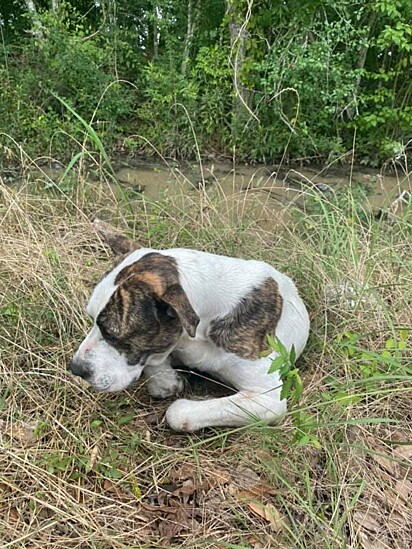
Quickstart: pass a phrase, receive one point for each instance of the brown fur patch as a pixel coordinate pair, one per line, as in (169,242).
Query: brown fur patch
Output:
(138,319)
(157,270)
(243,331)
(160,273)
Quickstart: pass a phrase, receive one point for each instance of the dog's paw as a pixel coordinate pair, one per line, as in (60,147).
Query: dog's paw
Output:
(179,416)
(165,385)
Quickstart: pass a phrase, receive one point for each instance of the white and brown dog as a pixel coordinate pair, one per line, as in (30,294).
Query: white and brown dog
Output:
(210,312)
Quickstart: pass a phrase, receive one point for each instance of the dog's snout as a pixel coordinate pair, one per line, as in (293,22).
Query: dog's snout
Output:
(78,368)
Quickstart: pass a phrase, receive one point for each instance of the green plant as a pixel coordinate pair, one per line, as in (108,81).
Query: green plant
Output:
(285,364)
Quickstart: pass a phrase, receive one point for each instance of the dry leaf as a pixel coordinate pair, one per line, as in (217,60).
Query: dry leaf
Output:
(404,489)
(369,542)
(404,452)
(186,490)
(93,456)
(269,513)
(244,477)
(386,463)
(112,488)
(185,471)
(21,432)
(13,514)
(220,476)
(181,522)
(365,520)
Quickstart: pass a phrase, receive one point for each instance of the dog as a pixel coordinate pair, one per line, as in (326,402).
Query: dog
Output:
(211,312)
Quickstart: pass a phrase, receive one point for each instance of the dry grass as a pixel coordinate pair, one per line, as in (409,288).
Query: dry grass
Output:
(79,469)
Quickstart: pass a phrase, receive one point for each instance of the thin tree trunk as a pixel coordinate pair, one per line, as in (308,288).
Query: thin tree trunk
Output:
(155,33)
(238,39)
(192,17)
(37,29)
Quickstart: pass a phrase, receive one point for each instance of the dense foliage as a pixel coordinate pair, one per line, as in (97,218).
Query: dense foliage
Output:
(259,79)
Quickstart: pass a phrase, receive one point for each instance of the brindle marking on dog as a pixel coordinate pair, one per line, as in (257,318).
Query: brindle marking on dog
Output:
(148,310)
(244,330)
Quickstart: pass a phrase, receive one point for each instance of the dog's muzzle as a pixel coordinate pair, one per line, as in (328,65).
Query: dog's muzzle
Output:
(79,368)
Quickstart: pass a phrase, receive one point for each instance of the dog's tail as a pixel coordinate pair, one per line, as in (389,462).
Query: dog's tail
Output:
(118,243)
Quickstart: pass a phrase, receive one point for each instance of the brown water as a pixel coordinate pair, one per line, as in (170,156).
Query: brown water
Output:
(264,192)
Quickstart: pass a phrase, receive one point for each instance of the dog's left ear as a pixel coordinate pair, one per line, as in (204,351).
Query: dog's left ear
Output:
(176,298)
(118,243)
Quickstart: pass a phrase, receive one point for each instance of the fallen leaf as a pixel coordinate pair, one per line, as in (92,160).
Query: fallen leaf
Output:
(365,520)
(404,452)
(112,488)
(244,477)
(181,522)
(93,457)
(13,514)
(185,471)
(369,542)
(386,463)
(186,490)
(269,513)
(220,476)
(20,432)
(404,489)
(254,492)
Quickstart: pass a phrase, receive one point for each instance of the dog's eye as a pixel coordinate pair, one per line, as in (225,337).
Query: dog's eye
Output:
(109,338)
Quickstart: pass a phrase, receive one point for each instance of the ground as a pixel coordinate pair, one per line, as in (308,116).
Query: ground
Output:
(81,469)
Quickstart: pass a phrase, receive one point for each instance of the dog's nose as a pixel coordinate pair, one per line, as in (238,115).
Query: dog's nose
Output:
(78,369)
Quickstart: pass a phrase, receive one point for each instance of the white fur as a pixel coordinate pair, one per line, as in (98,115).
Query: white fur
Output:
(214,285)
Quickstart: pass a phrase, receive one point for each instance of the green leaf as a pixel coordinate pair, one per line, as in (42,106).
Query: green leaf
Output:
(276,365)
(114,473)
(390,344)
(298,389)
(125,419)
(292,355)
(284,393)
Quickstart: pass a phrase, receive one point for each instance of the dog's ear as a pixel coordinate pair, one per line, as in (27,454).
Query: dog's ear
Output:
(118,243)
(176,298)
(160,274)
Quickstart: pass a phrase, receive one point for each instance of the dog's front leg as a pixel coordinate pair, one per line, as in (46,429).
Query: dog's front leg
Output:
(162,380)
(243,408)
(258,399)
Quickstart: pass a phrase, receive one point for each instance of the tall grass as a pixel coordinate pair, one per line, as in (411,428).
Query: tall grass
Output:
(80,469)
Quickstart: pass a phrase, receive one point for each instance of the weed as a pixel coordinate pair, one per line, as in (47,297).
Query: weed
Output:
(86,469)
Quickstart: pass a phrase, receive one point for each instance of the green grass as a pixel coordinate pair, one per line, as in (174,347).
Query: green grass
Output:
(80,469)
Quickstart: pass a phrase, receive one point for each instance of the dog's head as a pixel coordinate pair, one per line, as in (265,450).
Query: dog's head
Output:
(139,311)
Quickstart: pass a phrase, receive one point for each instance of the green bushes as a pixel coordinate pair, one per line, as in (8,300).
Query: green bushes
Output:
(302,80)
(75,66)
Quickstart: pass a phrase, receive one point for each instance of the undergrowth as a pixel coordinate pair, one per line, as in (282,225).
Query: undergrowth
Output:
(80,469)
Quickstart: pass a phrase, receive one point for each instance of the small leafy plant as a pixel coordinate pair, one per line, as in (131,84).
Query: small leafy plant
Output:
(285,364)
(292,387)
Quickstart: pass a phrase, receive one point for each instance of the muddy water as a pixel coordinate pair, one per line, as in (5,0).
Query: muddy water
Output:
(264,193)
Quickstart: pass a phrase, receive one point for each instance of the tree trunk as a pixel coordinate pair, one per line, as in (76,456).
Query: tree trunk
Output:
(155,33)
(192,17)
(238,39)
(37,28)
